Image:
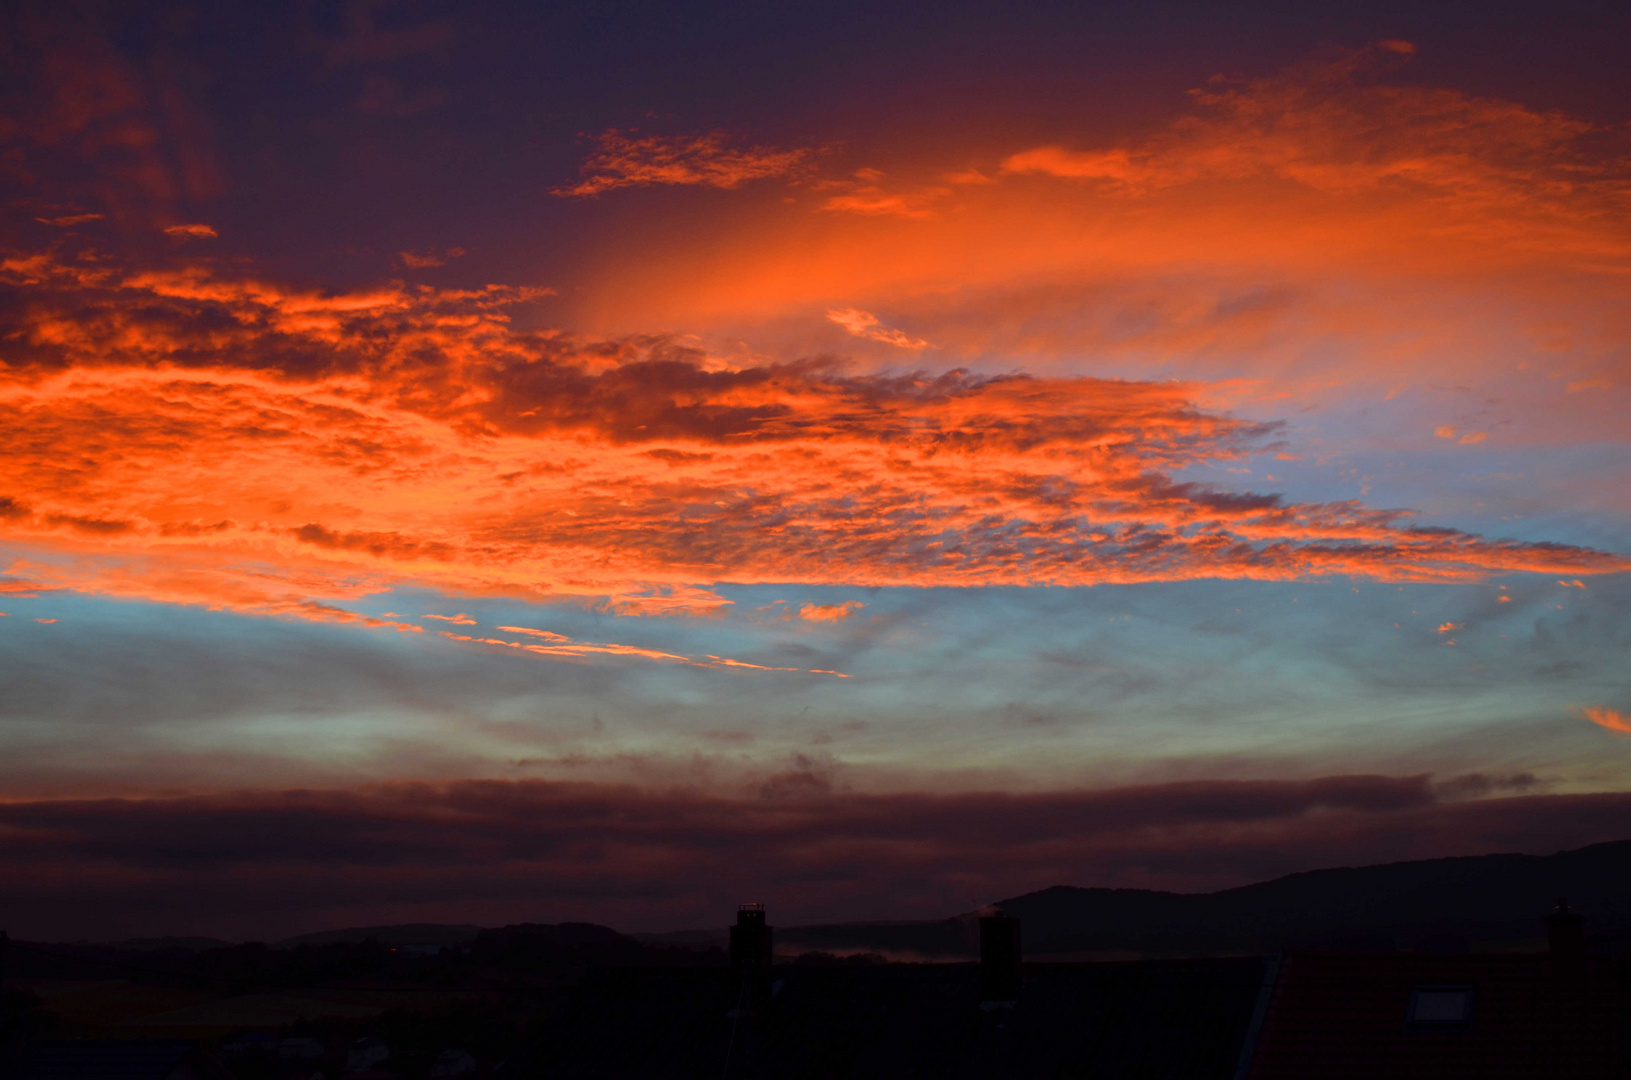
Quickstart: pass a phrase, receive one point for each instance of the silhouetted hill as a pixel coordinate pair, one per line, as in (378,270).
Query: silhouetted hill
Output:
(1485,901)
(168,944)
(400,934)
(423,954)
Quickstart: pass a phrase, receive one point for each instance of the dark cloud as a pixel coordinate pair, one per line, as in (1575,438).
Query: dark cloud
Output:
(627,159)
(377,543)
(267,862)
(92,525)
(1475,785)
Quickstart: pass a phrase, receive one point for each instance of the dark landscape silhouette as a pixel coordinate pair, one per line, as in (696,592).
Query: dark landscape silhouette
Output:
(1202,985)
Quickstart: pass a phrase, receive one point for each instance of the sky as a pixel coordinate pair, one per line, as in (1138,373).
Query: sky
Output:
(484,462)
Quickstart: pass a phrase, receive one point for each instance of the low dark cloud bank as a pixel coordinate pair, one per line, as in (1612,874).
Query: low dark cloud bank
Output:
(269,863)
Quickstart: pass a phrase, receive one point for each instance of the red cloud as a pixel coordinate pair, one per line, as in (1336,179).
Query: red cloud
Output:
(420,260)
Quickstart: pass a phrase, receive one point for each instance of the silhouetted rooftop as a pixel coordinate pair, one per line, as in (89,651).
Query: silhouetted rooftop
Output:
(1162,1019)
(1337,1015)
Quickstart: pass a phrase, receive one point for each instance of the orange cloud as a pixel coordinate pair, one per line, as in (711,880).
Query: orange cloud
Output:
(456,620)
(1317,124)
(21,589)
(192,232)
(547,634)
(159,442)
(1604,717)
(621,159)
(1419,230)
(830,612)
(1057,161)
(865,195)
(864,324)
(560,647)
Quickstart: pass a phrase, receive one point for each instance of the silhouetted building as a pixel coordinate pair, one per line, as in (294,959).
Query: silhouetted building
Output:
(1306,1015)
(1160,1020)
(751,939)
(1566,938)
(999,958)
(1315,1015)
(1491,1016)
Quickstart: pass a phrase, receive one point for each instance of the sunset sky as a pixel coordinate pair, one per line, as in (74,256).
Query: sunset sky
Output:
(523,462)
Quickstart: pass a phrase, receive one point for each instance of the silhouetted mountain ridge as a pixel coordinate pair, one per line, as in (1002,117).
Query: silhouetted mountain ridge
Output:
(1439,904)
(1447,904)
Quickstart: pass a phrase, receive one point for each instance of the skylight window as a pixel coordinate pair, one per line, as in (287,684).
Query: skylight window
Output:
(1440,1005)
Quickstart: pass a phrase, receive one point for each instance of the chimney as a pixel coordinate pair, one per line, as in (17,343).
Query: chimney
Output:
(999,958)
(1566,934)
(750,939)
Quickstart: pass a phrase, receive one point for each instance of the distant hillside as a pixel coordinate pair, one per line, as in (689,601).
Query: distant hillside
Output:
(402,934)
(1482,902)
(1485,901)
(168,944)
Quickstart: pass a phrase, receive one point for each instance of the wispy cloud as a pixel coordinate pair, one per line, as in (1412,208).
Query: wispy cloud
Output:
(192,232)
(1605,717)
(864,324)
(22,589)
(1328,125)
(547,635)
(423,260)
(867,194)
(561,647)
(627,159)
